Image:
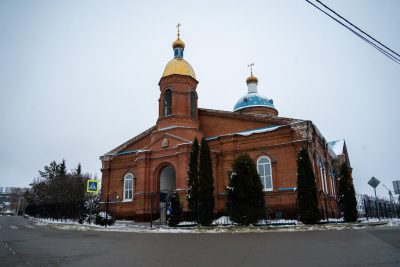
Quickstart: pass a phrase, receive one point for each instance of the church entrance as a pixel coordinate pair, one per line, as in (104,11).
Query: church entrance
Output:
(167,187)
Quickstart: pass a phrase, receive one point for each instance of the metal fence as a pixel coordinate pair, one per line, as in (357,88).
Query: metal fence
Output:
(153,207)
(376,208)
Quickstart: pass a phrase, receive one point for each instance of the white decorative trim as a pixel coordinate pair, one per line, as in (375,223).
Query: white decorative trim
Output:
(265,189)
(124,189)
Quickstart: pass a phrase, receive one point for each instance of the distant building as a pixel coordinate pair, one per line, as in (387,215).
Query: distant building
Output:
(156,160)
(11,200)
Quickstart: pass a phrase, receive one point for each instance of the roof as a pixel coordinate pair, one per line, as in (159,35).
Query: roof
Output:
(178,66)
(276,122)
(252,131)
(246,116)
(253,100)
(131,141)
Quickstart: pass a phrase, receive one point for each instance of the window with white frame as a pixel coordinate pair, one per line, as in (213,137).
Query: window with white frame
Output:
(333,184)
(323,176)
(128,187)
(265,172)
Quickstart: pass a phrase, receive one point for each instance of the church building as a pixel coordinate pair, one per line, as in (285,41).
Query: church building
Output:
(136,174)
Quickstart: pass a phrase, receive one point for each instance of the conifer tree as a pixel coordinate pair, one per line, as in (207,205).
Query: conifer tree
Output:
(307,200)
(78,170)
(245,192)
(193,180)
(347,194)
(206,185)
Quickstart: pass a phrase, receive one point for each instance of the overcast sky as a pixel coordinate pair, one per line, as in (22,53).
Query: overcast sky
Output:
(78,78)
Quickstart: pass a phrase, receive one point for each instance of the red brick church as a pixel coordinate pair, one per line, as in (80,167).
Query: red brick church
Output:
(157,159)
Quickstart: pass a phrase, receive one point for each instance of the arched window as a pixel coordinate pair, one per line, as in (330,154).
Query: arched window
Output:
(322,171)
(333,183)
(192,104)
(128,187)
(167,102)
(265,172)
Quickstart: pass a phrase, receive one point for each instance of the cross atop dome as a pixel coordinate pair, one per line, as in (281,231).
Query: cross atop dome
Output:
(178,25)
(251,78)
(178,45)
(251,68)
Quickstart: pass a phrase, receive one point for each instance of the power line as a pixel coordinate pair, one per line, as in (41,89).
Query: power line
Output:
(395,59)
(357,28)
(380,49)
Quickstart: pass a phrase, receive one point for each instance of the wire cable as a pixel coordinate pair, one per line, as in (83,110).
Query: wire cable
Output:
(356,27)
(380,49)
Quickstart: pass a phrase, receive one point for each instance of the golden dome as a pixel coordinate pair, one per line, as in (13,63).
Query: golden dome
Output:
(178,66)
(178,43)
(252,79)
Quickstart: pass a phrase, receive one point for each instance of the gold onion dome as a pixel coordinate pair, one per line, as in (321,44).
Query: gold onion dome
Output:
(252,79)
(178,43)
(179,66)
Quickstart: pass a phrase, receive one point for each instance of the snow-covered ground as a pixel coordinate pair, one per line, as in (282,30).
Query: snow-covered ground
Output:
(131,226)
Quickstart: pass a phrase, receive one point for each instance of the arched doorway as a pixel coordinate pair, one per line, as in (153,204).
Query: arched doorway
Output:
(167,186)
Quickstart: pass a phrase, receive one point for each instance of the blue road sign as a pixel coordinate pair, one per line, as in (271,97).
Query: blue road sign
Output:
(92,186)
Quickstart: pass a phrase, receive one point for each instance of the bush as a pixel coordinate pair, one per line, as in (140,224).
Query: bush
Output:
(102,219)
(85,219)
(174,212)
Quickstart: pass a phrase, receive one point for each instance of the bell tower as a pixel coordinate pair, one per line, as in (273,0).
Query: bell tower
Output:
(178,96)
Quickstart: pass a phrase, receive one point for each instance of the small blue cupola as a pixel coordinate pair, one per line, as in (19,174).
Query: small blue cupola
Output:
(253,99)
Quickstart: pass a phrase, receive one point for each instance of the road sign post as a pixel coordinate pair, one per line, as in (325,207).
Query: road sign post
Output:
(92,186)
(374,183)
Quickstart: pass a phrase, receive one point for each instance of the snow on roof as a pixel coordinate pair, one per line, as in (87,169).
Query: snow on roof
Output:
(337,147)
(250,132)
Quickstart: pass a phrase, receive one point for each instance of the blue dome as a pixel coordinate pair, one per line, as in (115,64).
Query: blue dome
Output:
(253,100)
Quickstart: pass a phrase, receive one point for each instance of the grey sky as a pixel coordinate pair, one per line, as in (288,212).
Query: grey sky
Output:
(78,78)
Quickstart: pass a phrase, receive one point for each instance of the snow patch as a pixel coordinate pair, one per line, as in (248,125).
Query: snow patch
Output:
(229,227)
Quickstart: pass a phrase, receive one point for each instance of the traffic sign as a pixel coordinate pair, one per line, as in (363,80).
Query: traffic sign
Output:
(92,186)
(396,187)
(374,182)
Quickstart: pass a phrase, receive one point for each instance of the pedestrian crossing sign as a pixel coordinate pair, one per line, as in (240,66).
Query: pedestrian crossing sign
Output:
(92,186)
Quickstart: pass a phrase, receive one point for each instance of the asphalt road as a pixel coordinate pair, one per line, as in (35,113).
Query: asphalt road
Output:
(24,243)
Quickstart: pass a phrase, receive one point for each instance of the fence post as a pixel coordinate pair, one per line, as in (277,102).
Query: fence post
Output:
(377,209)
(151,209)
(230,216)
(365,209)
(326,209)
(386,211)
(398,210)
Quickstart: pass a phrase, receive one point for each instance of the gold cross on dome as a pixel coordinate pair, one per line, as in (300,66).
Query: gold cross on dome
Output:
(178,25)
(251,68)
